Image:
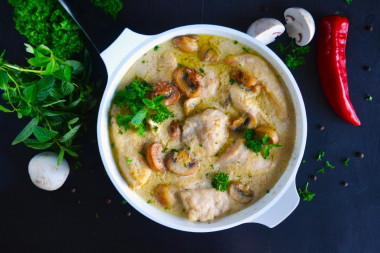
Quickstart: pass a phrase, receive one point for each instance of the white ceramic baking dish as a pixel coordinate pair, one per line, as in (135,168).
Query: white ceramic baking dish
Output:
(272,208)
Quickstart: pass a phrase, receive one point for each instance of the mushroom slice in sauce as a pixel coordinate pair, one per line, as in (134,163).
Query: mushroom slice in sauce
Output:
(242,123)
(240,194)
(244,78)
(165,195)
(187,44)
(263,130)
(182,164)
(155,157)
(207,54)
(188,81)
(169,91)
(174,130)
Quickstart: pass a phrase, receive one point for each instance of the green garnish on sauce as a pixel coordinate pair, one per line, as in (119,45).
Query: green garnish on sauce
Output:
(322,171)
(305,194)
(368,97)
(320,155)
(156,48)
(346,161)
(128,160)
(328,164)
(294,54)
(255,144)
(220,181)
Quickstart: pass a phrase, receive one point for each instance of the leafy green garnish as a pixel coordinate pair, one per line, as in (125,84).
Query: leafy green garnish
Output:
(245,49)
(220,181)
(202,71)
(294,54)
(368,97)
(236,42)
(133,97)
(111,7)
(149,202)
(255,144)
(328,164)
(156,47)
(306,195)
(346,161)
(320,154)
(128,160)
(321,171)
(54,93)
(348,1)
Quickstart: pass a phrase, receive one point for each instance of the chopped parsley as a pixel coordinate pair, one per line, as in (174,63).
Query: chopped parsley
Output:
(328,164)
(236,42)
(320,155)
(322,171)
(149,202)
(368,97)
(202,71)
(303,161)
(123,202)
(255,144)
(294,54)
(128,160)
(133,97)
(174,150)
(245,49)
(96,216)
(200,145)
(141,153)
(306,195)
(216,142)
(143,61)
(348,1)
(156,47)
(220,181)
(185,165)
(268,191)
(346,161)
(179,65)
(155,129)
(232,81)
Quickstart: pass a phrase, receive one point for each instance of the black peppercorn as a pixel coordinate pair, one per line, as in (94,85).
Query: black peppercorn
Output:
(72,190)
(360,154)
(108,201)
(321,127)
(369,28)
(313,177)
(128,213)
(344,183)
(367,68)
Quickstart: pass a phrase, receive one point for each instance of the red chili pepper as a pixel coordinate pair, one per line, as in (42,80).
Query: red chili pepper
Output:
(332,66)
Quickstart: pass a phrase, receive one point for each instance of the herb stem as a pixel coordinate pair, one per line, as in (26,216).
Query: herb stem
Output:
(22,69)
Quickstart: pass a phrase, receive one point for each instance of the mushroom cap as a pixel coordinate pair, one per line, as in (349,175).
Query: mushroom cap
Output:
(45,173)
(299,25)
(266,30)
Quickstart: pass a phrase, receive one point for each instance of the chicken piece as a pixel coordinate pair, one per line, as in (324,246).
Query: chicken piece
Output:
(245,101)
(255,66)
(204,204)
(210,83)
(205,132)
(167,63)
(137,172)
(236,152)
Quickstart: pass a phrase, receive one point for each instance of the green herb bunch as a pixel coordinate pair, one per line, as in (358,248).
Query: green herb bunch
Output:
(53,92)
(220,181)
(111,7)
(134,98)
(256,144)
(305,194)
(294,54)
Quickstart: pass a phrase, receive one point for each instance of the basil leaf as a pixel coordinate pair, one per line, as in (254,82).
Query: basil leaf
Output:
(43,134)
(158,100)
(3,109)
(26,132)
(149,103)
(77,66)
(44,87)
(70,134)
(35,144)
(67,88)
(139,117)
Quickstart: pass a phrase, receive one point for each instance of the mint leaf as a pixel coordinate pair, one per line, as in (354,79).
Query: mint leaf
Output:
(43,134)
(26,132)
(139,117)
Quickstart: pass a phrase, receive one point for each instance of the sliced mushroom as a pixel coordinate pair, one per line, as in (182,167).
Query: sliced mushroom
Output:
(207,54)
(182,164)
(169,91)
(174,130)
(187,44)
(240,194)
(242,123)
(155,157)
(165,195)
(190,104)
(299,25)
(266,30)
(188,81)
(244,78)
(263,130)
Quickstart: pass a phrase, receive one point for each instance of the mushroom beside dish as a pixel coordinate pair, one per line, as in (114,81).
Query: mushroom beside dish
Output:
(172,131)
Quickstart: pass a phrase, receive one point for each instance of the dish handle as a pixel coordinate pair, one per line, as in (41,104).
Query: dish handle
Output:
(120,48)
(280,210)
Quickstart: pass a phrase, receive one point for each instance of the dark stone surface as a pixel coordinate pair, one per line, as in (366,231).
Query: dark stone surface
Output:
(339,219)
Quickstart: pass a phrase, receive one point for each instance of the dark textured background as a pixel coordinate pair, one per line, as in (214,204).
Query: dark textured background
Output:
(339,219)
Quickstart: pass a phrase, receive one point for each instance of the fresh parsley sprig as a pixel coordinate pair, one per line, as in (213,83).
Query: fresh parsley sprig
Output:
(53,92)
(254,143)
(294,54)
(306,195)
(220,181)
(134,98)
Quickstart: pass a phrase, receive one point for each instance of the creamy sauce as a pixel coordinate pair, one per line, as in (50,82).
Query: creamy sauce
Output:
(254,172)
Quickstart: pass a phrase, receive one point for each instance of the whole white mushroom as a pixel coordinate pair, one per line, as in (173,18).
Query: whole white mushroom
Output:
(266,30)
(299,25)
(45,173)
